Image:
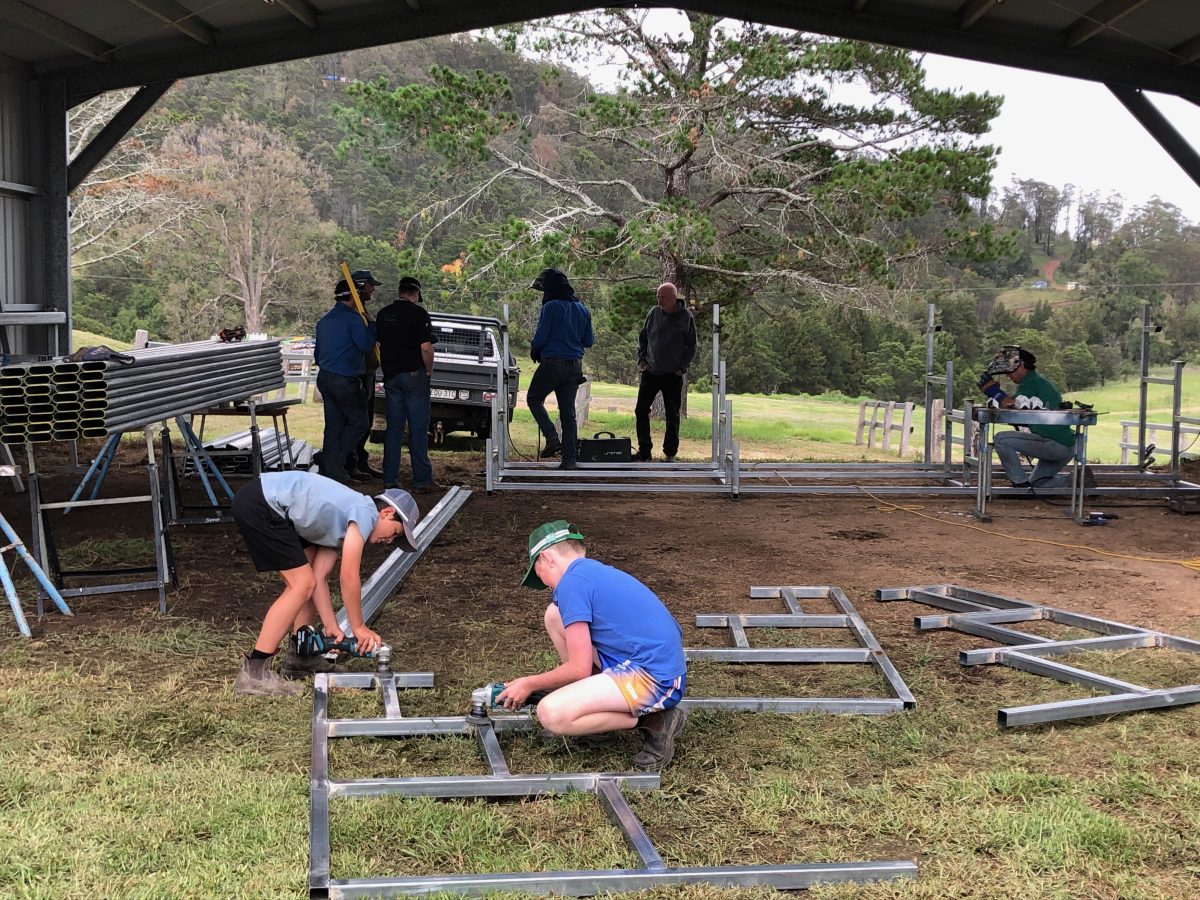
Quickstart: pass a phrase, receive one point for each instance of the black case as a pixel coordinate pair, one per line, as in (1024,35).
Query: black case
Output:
(605,447)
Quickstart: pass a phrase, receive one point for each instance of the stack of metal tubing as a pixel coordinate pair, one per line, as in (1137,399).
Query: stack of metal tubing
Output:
(233,453)
(60,401)
(52,401)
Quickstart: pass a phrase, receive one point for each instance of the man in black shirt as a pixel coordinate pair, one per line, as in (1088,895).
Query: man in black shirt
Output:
(406,342)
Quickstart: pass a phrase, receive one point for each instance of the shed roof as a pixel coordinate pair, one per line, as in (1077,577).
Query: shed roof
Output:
(98,45)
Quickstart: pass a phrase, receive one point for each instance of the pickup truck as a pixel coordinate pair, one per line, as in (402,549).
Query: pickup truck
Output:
(465,361)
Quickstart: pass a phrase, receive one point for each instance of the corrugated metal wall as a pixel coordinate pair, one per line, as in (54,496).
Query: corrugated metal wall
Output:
(16,215)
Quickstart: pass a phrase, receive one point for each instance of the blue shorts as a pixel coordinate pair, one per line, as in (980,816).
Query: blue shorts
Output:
(643,693)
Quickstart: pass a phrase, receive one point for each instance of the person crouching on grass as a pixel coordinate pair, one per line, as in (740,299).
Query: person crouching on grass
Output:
(293,523)
(622,654)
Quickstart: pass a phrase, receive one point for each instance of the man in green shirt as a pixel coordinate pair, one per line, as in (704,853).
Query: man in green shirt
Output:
(1051,446)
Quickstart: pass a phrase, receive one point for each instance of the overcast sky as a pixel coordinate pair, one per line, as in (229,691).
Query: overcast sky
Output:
(1060,130)
(1053,129)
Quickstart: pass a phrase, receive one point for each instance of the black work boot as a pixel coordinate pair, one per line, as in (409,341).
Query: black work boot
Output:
(299,667)
(659,731)
(552,448)
(257,679)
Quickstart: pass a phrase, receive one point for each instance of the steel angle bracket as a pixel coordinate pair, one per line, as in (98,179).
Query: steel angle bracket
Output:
(869,652)
(391,572)
(501,782)
(987,615)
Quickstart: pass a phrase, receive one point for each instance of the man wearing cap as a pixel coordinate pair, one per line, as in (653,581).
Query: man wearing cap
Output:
(666,347)
(293,523)
(342,339)
(564,331)
(359,461)
(1052,446)
(406,342)
(622,653)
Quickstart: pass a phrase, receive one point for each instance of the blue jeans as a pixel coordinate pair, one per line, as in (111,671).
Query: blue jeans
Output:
(345,419)
(560,376)
(1051,456)
(407,402)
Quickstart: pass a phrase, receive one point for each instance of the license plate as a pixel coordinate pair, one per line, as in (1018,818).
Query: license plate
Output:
(442,394)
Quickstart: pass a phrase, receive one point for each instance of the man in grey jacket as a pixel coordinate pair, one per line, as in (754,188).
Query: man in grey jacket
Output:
(666,346)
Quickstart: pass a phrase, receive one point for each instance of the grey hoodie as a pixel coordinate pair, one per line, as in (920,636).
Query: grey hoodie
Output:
(667,342)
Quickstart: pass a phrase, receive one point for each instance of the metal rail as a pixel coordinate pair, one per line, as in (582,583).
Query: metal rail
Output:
(978,613)
(502,783)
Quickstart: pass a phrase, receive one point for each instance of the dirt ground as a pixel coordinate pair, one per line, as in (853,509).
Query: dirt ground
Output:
(699,553)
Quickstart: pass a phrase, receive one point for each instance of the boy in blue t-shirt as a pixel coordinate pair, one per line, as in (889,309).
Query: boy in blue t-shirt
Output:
(622,654)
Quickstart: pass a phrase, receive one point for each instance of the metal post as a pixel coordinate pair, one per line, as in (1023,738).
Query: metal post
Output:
(1176,405)
(717,386)
(156,518)
(930,333)
(1145,373)
(948,412)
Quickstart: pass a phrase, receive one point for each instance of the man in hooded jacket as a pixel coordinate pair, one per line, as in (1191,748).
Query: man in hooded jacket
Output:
(564,331)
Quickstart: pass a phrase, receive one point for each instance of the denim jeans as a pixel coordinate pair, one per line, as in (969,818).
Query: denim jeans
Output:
(1051,456)
(671,386)
(407,402)
(560,376)
(345,419)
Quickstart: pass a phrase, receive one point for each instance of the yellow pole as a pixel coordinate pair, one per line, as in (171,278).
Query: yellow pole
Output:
(373,356)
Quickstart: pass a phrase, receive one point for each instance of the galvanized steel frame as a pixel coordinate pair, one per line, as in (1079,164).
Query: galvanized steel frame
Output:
(391,572)
(984,614)
(847,617)
(607,787)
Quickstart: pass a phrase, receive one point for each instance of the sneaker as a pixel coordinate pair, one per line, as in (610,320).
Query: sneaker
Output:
(552,448)
(297,667)
(431,488)
(257,679)
(659,731)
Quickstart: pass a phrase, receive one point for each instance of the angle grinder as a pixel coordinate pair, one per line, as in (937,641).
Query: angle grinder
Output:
(313,641)
(484,699)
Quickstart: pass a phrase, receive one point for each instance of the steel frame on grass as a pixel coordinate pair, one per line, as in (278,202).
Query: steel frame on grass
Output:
(869,651)
(985,615)
(501,783)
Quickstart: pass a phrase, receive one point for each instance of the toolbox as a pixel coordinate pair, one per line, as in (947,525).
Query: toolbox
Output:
(605,447)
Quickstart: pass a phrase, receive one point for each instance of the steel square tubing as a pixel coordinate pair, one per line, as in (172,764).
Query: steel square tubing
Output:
(391,572)
(783,620)
(779,655)
(448,786)
(1058,648)
(1068,674)
(1098,706)
(489,746)
(408,727)
(599,881)
(878,657)
(318,789)
(1000,616)
(616,808)
(808,592)
(865,706)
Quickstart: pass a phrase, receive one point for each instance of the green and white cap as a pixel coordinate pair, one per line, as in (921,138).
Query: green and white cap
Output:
(547,536)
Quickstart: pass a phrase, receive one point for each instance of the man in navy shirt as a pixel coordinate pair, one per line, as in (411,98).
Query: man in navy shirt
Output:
(564,331)
(342,339)
(623,663)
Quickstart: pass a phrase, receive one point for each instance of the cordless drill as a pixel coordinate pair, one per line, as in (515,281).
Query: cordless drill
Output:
(312,640)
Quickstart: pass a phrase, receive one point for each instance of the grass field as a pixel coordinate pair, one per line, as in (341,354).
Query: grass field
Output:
(822,428)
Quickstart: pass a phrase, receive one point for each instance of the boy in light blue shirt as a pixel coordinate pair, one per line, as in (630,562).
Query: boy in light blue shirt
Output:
(294,523)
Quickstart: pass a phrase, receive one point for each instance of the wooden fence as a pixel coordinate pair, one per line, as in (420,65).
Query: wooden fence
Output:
(886,425)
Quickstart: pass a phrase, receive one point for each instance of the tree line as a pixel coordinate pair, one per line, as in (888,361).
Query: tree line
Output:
(814,187)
